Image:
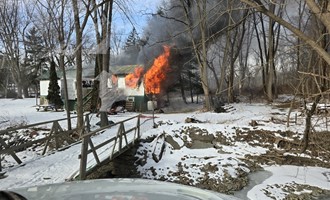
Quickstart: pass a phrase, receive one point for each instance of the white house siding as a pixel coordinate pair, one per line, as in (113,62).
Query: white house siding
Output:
(44,84)
(139,91)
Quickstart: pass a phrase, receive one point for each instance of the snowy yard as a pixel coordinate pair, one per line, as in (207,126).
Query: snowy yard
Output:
(224,152)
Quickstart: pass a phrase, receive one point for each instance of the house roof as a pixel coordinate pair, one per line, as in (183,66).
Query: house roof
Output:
(88,72)
(70,73)
(123,69)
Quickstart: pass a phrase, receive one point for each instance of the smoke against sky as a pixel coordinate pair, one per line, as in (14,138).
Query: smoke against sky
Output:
(168,25)
(177,24)
(171,26)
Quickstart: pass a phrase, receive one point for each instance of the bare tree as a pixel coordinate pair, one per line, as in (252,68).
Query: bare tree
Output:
(320,10)
(199,48)
(10,28)
(244,55)
(116,43)
(235,38)
(102,19)
(268,39)
(59,26)
(79,28)
(321,14)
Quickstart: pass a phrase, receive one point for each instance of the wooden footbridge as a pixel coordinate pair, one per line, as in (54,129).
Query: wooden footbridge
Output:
(122,141)
(83,154)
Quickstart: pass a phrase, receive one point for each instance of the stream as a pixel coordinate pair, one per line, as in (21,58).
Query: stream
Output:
(255,178)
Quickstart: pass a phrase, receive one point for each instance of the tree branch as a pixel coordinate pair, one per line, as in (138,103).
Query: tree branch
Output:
(261,8)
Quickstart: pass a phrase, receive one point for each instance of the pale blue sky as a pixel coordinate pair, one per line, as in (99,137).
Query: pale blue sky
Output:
(139,11)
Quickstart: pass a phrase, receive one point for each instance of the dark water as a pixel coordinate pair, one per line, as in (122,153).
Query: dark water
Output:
(255,178)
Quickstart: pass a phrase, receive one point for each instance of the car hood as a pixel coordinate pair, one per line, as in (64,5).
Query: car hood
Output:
(119,189)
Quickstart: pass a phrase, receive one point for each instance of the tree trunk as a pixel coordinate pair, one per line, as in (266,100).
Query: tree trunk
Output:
(96,101)
(65,89)
(200,52)
(26,91)
(237,37)
(243,58)
(321,10)
(270,59)
(182,89)
(308,121)
(190,88)
(106,32)
(224,64)
(203,63)
(261,55)
(231,83)
(19,90)
(96,86)
(61,38)
(78,55)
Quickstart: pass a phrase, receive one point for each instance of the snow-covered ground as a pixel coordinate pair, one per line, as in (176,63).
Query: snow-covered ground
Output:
(173,153)
(53,167)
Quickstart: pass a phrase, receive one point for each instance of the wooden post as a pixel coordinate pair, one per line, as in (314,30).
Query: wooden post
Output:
(138,125)
(0,163)
(12,153)
(120,135)
(124,134)
(47,142)
(83,158)
(326,120)
(56,127)
(87,123)
(52,130)
(137,129)
(1,147)
(93,150)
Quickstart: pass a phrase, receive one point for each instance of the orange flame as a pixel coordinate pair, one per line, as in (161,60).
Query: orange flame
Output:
(155,76)
(131,80)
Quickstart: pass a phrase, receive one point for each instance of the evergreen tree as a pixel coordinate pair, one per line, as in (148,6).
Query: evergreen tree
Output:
(35,46)
(35,58)
(53,88)
(131,49)
(132,40)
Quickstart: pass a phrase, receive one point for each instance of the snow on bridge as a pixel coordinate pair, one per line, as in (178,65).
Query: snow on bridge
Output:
(65,164)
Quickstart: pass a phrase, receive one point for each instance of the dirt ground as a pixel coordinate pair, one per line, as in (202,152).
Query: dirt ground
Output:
(288,149)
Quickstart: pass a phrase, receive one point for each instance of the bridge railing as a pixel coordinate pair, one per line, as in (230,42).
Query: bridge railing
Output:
(53,134)
(117,142)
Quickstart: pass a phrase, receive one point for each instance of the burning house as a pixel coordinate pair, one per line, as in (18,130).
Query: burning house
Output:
(129,78)
(142,85)
(139,84)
